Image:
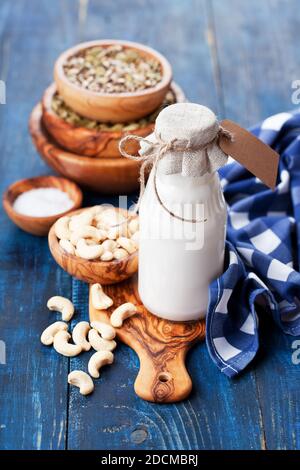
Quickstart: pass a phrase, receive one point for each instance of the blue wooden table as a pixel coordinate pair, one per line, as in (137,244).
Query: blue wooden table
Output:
(235,56)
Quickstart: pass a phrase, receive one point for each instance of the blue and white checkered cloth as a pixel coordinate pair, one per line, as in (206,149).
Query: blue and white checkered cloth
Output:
(262,251)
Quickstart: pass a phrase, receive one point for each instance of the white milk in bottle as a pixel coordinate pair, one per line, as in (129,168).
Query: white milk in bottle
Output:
(182,214)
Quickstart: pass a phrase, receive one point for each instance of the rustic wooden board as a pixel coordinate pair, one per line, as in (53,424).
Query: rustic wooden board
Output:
(161,346)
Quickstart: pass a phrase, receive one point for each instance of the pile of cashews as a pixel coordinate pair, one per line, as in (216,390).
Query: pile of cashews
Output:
(97,335)
(98,233)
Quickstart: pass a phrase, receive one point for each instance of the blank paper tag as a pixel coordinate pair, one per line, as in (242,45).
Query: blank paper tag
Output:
(251,152)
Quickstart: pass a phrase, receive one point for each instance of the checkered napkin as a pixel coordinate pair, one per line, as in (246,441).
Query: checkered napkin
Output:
(262,251)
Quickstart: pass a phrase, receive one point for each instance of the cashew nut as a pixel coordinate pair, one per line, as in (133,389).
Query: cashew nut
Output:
(81,380)
(79,335)
(136,238)
(48,334)
(100,344)
(62,346)
(107,256)
(83,250)
(106,331)
(133,225)
(78,221)
(120,253)
(115,232)
(110,217)
(100,300)
(98,360)
(98,220)
(121,313)
(109,245)
(95,210)
(102,234)
(67,246)
(61,227)
(127,244)
(62,305)
(87,231)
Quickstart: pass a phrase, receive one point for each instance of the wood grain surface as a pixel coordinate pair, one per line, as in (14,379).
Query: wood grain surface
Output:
(161,346)
(237,57)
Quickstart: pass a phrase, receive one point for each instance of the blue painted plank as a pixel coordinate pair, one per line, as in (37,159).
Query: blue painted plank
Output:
(258,57)
(257,72)
(33,389)
(220,413)
(278,384)
(178,29)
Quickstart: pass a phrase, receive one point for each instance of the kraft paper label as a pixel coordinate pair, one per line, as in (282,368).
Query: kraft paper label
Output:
(251,152)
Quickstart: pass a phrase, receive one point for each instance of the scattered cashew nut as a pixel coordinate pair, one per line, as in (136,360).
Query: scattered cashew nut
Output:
(62,346)
(98,360)
(61,227)
(48,334)
(79,335)
(62,305)
(121,313)
(86,251)
(106,331)
(100,344)
(100,300)
(81,380)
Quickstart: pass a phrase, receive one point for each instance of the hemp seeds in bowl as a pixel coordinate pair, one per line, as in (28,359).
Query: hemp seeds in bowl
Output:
(110,80)
(92,138)
(112,69)
(98,244)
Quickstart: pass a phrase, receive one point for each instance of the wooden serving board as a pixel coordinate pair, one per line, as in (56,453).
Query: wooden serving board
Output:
(161,346)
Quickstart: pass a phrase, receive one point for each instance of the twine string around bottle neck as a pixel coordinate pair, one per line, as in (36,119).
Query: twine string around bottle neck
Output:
(155,152)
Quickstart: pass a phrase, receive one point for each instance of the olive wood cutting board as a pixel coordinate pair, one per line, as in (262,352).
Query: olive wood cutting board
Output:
(161,345)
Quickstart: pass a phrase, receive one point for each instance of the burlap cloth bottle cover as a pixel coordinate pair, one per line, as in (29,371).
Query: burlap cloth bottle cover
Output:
(185,141)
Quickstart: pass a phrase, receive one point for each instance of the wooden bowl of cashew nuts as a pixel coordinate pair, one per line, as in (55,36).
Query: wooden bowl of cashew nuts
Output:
(95,246)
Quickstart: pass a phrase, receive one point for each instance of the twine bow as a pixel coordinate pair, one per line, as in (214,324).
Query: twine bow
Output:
(156,151)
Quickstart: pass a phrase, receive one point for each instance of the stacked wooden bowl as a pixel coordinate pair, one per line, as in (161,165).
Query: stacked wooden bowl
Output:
(86,150)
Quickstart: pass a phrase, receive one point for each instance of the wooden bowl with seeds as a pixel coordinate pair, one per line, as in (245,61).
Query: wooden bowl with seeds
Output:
(94,270)
(112,80)
(92,138)
(103,175)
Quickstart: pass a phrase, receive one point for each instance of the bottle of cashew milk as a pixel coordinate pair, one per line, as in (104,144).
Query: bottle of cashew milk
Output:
(182,213)
(182,209)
